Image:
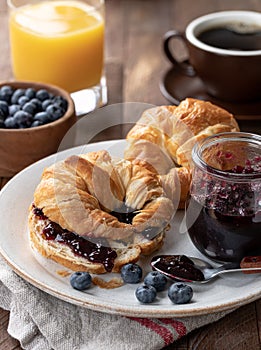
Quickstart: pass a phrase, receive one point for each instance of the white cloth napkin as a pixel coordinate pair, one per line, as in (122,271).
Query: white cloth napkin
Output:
(42,322)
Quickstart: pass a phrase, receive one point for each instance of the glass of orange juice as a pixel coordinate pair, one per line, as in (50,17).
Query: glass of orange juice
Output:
(59,42)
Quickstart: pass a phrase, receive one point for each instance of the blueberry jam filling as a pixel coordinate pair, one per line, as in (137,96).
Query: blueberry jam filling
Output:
(97,251)
(125,214)
(39,213)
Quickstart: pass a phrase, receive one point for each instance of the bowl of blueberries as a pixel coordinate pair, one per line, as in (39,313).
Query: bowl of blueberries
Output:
(34,118)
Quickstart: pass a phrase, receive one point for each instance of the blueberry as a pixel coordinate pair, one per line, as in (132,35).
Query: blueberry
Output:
(146,294)
(7,89)
(55,112)
(42,94)
(6,93)
(38,104)
(29,107)
(156,279)
(10,123)
(61,102)
(180,293)
(16,95)
(4,108)
(30,93)
(80,280)
(13,109)
(131,273)
(36,123)
(42,117)
(4,97)
(23,119)
(46,103)
(23,100)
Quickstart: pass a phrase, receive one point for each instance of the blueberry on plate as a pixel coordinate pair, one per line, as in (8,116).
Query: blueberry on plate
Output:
(80,280)
(146,294)
(156,279)
(180,293)
(131,273)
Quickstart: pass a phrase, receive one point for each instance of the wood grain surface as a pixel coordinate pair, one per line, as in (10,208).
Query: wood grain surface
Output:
(134,66)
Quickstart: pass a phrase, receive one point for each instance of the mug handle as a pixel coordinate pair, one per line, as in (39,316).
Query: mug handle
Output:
(184,67)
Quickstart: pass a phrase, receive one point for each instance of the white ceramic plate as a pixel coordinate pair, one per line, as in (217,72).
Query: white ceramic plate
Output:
(222,294)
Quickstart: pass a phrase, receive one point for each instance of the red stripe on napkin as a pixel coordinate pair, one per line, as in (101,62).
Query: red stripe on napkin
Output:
(179,327)
(164,332)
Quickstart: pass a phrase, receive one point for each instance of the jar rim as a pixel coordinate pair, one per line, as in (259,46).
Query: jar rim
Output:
(199,147)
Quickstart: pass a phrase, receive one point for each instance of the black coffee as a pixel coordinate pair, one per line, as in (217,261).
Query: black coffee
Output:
(234,36)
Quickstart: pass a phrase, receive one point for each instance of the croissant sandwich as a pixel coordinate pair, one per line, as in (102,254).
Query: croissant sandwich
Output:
(95,213)
(92,212)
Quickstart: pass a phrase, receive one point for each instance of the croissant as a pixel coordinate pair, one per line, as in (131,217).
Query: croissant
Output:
(88,196)
(164,137)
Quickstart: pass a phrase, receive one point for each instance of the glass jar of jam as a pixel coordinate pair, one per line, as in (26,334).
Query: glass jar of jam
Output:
(223,215)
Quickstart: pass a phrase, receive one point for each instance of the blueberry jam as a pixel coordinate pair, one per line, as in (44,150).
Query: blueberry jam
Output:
(225,237)
(177,265)
(96,251)
(227,219)
(124,214)
(38,212)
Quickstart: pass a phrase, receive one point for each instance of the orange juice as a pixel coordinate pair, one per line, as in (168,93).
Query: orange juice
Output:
(58,42)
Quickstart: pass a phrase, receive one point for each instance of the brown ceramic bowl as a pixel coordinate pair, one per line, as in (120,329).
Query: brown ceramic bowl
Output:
(22,147)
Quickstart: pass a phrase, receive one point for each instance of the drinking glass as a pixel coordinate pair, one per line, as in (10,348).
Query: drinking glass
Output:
(60,42)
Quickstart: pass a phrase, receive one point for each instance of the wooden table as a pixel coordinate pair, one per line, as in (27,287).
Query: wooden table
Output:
(134,65)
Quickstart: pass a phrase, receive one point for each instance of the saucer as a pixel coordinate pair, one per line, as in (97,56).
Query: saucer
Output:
(176,87)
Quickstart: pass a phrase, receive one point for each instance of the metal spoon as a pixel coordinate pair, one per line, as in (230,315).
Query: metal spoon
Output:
(190,269)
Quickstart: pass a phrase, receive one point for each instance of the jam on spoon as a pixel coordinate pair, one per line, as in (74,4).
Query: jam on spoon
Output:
(179,266)
(190,269)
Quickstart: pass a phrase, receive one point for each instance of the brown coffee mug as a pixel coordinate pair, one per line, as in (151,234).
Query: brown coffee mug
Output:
(224,51)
